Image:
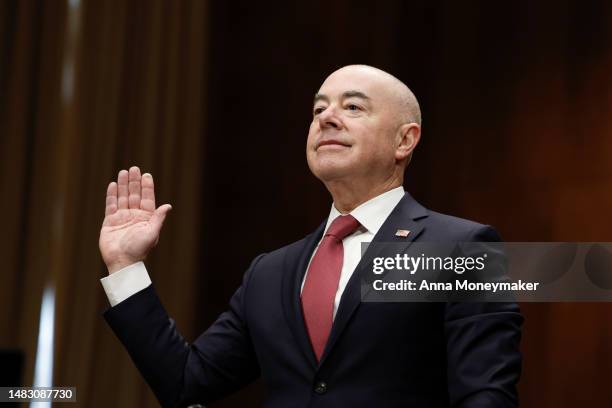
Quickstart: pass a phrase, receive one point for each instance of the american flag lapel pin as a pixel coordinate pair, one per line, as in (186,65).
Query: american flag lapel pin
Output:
(402,233)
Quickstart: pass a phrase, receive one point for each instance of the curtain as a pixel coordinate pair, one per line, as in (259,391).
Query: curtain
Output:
(89,88)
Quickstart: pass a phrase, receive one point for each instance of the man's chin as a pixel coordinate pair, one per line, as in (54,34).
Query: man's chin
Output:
(331,173)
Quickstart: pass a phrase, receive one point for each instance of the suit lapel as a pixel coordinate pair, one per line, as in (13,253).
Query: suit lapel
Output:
(296,261)
(404,216)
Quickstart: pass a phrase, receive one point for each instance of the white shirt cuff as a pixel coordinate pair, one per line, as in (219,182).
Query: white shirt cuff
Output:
(125,282)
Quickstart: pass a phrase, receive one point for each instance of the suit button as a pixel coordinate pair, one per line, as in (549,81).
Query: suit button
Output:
(321,387)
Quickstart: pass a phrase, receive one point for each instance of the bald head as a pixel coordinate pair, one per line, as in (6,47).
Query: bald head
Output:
(408,109)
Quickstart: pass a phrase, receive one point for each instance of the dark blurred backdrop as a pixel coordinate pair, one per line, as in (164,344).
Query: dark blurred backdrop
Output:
(214,99)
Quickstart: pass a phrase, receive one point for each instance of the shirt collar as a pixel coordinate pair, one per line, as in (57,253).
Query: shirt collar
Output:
(373,213)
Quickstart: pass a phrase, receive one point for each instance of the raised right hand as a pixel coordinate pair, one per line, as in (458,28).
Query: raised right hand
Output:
(131,224)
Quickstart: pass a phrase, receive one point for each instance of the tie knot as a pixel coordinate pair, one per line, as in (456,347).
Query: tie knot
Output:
(343,226)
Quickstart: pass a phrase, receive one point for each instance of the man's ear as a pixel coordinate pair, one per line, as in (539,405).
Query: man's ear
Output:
(409,135)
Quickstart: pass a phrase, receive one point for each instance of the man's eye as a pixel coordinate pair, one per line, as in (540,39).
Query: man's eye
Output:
(318,110)
(352,107)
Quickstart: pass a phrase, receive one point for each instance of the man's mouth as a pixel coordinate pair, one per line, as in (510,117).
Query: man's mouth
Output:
(332,143)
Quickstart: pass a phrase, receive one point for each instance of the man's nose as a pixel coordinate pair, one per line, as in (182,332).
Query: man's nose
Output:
(329,119)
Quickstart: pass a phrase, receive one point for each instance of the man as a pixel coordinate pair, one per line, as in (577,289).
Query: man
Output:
(298,320)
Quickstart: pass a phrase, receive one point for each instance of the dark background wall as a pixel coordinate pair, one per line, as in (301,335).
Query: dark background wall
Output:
(215,98)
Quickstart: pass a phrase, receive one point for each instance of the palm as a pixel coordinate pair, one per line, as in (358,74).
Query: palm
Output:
(127,230)
(132,224)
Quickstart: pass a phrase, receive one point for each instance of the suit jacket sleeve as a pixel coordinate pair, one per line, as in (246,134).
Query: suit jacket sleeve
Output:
(219,362)
(484,361)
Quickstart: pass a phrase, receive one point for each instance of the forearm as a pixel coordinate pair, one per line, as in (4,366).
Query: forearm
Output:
(153,342)
(220,361)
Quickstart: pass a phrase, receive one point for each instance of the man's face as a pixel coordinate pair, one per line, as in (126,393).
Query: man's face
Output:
(354,127)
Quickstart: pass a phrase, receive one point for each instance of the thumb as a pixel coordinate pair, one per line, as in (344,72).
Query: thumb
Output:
(159,216)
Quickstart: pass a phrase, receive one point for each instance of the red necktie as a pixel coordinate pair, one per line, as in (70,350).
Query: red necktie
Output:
(322,281)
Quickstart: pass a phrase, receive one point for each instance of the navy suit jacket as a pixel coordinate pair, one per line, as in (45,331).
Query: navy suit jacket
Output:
(378,355)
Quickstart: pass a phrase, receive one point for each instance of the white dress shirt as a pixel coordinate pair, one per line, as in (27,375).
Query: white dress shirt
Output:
(371,215)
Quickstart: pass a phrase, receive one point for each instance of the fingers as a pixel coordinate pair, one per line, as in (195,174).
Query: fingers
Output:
(122,189)
(111,199)
(159,216)
(131,191)
(147,202)
(134,187)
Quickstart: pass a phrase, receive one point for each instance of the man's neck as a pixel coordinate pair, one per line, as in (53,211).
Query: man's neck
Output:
(349,195)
